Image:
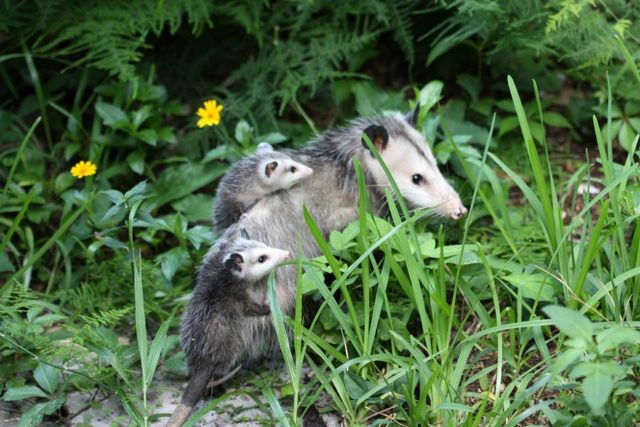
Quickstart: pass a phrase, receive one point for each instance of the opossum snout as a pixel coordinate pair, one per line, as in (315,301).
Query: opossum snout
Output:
(305,171)
(284,255)
(459,212)
(454,209)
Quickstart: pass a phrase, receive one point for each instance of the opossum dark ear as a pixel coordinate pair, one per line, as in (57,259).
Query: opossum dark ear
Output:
(378,136)
(244,234)
(270,167)
(234,262)
(412,117)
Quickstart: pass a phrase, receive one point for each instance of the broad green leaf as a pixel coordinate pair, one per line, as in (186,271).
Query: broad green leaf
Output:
(135,161)
(5,263)
(243,132)
(47,377)
(179,181)
(138,189)
(63,181)
(565,359)
(273,138)
(195,207)
(613,337)
(149,136)
(111,115)
(116,197)
(551,118)
(430,95)
(166,134)
(33,416)
(535,286)
(571,323)
(172,260)
(141,115)
(507,125)
(626,136)
(24,392)
(155,349)
(596,389)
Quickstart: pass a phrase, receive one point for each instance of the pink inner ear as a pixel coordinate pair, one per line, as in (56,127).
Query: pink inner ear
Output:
(268,170)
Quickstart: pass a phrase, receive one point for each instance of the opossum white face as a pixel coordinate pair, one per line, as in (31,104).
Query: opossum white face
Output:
(412,166)
(251,260)
(281,173)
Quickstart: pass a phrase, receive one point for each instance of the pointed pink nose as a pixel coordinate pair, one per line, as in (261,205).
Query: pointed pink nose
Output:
(459,212)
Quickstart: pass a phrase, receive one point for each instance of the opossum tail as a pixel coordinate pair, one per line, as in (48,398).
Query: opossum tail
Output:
(196,387)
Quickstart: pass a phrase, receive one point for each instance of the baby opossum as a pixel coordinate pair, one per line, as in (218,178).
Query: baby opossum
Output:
(251,179)
(217,329)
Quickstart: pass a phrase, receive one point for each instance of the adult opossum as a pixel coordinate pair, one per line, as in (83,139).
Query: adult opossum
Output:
(251,179)
(217,332)
(331,196)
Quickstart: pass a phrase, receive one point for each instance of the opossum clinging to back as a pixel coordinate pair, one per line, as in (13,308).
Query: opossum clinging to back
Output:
(217,331)
(252,178)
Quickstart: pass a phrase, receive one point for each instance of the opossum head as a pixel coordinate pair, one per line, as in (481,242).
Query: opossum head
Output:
(250,260)
(412,165)
(280,172)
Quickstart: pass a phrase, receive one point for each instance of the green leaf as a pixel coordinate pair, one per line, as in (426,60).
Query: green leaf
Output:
(47,377)
(507,125)
(179,181)
(137,190)
(5,263)
(63,181)
(551,118)
(111,115)
(25,392)
(243,132)
(116,197)
(430,95)
(612,338)
(34,415)
(166,134)
(535,286)
(273,138)
(135,161)
(155,349)
(596,389)
(571,323)
(172,260)
(626,136)
(149,136)
(195,207)
(565,359)
(141,115)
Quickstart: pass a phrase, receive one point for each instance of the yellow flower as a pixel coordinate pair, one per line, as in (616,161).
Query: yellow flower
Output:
(210,114)
(82,169)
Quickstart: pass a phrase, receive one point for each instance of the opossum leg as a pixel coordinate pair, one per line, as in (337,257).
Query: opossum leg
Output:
(215,383)
(195,388)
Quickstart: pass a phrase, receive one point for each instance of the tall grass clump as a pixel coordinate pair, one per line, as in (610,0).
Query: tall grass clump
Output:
(412,330)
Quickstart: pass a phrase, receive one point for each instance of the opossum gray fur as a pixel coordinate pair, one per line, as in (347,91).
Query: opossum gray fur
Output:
(251,179)
(331,196)
(219,327)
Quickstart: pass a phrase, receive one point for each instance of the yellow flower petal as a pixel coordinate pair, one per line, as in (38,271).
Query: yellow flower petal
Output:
(210,114)
(83,169)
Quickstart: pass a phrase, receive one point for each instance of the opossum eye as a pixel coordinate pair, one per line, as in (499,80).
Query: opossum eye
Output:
(417,179)
(293,169)
(262,259)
